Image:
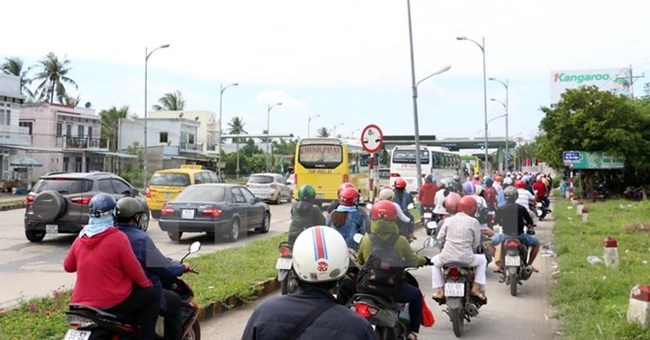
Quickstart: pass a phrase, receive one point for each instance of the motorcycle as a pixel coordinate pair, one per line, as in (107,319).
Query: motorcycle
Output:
(541,209)
(388,318)
(515,268)
(87,322)
(284,265)
(428,216)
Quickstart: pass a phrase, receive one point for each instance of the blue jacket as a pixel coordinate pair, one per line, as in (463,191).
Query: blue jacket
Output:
(277,316)
(355,223)
(157,266)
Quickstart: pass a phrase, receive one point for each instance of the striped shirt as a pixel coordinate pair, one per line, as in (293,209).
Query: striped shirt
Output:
(460,235)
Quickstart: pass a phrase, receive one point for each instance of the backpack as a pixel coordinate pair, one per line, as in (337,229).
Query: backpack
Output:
(382,274)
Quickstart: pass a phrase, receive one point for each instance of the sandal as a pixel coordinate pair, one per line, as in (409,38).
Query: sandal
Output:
(480,296)
(412,336)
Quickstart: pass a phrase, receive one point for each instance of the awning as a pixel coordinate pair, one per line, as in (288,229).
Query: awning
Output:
(30,148)
(190,158)
(114,154)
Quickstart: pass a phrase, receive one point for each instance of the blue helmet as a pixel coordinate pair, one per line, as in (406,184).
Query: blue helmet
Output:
(469,188)
(101,205)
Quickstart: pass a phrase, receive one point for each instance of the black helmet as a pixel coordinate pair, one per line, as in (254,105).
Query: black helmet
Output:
(511,194)
(128,208)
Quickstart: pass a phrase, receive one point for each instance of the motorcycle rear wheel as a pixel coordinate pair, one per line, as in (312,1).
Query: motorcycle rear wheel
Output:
(385,333)
(457,316)
(514,281)
(194,333)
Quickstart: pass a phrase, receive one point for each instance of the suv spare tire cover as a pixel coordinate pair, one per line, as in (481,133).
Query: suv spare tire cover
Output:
(48,205)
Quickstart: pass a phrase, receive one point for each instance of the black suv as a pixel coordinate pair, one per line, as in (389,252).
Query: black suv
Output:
(58,203)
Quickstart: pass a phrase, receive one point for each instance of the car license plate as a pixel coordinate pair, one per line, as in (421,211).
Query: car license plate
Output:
(427,215)
(51,229)
(73,334)
(454,289)
(187,214)
(512,261)
(283,264)
(168,195)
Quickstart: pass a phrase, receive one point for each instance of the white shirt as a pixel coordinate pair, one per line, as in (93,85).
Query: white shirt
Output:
(440,201)
(525,197)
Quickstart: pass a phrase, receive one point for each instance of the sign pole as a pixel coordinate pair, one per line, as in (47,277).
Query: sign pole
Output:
(371,179)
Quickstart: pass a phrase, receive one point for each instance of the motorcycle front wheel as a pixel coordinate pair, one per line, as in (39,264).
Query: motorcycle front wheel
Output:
(457,316)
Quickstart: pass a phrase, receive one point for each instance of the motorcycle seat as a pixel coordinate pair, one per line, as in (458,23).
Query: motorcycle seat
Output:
(80,307)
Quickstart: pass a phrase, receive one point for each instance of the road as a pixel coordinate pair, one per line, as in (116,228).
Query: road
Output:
(35,269)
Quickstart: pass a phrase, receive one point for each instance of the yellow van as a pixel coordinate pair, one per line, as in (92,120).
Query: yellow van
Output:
(166,184)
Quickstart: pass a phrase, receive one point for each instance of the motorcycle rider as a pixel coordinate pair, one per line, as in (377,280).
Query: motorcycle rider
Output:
(525,198)
(427,193)
(320,260)
(404,199)
(539,188)
(383,225)
(513,218)
(304,213)
(459,237)
(158,267)
(347,219)
(109,276)
(490,194)
(441,195)
(332,206)
(388,194)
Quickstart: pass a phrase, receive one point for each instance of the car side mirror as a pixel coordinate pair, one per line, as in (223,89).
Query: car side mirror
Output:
(136,192)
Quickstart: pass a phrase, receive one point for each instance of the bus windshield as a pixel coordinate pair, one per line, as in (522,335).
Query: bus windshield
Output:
(408,156)
(320,156)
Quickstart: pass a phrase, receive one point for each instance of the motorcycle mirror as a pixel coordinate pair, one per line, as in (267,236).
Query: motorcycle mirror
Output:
(431,242)
(432,225)
(357,237)
(410,206)
(194,247)
(369,206)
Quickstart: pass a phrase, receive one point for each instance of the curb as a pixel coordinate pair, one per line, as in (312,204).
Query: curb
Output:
(12,206)
(217,308)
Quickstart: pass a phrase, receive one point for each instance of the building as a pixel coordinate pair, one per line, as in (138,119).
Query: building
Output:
(12,135)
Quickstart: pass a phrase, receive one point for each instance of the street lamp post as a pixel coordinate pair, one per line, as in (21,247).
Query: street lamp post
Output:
(507,107)
(309,122)
(268,120)
(334,129)
(221,89)
(147,54)
(482,47)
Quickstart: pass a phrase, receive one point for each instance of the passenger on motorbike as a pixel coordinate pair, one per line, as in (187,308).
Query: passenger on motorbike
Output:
(320,260)
(347,219)
(158,268)
(109,276)
(490,194)
(304,213)
(459,237)
(388,194)
(336,203)
(404,199)
(441,195)
(456,185)
(427,193)
(498,186)
(513,218)
(525,198)
(539,187)
(384,226)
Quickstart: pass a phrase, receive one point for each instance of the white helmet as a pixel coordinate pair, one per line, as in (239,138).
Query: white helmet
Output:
(320,254)
(386,194)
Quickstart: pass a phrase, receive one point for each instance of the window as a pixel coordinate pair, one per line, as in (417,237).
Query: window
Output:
(59,129)
(90,132)
(104,185)
(190,138)
(164,137)
(213,177)
(248,195)
(68,130)
(200,177)
(238,196)
(27,125)
(80,131)
(121,187)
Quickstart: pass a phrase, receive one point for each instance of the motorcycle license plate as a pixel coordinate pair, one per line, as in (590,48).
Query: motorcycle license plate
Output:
(454,289)
(427,215)
(512,261)
(73,334)
(283,264)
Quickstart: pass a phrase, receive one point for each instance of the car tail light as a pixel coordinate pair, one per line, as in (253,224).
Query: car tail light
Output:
(365,310)
(29,199)
(346,178)
(167,210)
(454,273)
(395,174)
(212,211)
(83,200)
(512,244)
(147,192)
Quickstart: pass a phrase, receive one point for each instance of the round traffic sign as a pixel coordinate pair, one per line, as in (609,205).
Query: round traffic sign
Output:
(372,138)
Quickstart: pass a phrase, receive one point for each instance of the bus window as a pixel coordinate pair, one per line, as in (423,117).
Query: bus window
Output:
(320,156)
(408,156)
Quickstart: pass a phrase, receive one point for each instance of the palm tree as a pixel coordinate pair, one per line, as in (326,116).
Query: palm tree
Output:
(15,67)
(323,132)
(69,101)
(171,102)
(110,124)
(53,76)
(236,127)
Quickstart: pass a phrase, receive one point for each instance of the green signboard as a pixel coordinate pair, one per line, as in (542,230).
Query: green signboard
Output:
(592,160)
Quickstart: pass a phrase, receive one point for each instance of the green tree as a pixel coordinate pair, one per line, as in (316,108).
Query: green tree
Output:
(110,124)
(525,151)
(171,102)
(323,132)
(70,101)
(15,67)
(236,127)
(284,146)
(250,148)
(53,78)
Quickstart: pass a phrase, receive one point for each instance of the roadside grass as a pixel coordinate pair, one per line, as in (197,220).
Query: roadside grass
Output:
(12,202)
(225,273)
(592,300)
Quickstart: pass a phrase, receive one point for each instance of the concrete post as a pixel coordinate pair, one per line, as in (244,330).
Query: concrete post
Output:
(639,308)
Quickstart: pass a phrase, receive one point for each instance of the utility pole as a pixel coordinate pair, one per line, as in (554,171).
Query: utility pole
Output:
(632,80)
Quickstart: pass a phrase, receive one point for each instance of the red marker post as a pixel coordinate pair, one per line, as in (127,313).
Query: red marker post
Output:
(372,139)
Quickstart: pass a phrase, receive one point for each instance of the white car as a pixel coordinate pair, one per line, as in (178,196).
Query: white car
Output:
(269,187)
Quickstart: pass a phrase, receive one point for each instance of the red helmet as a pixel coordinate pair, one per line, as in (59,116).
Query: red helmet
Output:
(451,202)
(384,210)
(343,186)
(520,184)
(400,183)
(348,196)
(468,205)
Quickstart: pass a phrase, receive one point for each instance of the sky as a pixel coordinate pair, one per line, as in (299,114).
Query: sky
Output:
(347,61)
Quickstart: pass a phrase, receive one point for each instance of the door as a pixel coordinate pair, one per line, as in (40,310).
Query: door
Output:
(256,208)
(242,207)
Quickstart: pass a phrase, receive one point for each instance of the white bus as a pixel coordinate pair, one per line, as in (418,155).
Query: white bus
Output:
(435,160)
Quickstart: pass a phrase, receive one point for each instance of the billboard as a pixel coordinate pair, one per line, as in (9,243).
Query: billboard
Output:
(615,80)
(592,160)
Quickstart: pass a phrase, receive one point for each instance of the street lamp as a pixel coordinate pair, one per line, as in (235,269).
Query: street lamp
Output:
(308,123)
(268,119)
(482,47)
(334,129)
(147,54)
(507,107)
(221,89)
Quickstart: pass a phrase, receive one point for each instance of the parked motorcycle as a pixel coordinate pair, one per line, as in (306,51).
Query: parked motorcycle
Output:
(284,265)
(515,268)
(87,322)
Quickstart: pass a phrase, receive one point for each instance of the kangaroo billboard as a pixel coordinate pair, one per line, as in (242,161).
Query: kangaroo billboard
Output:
(615,80)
